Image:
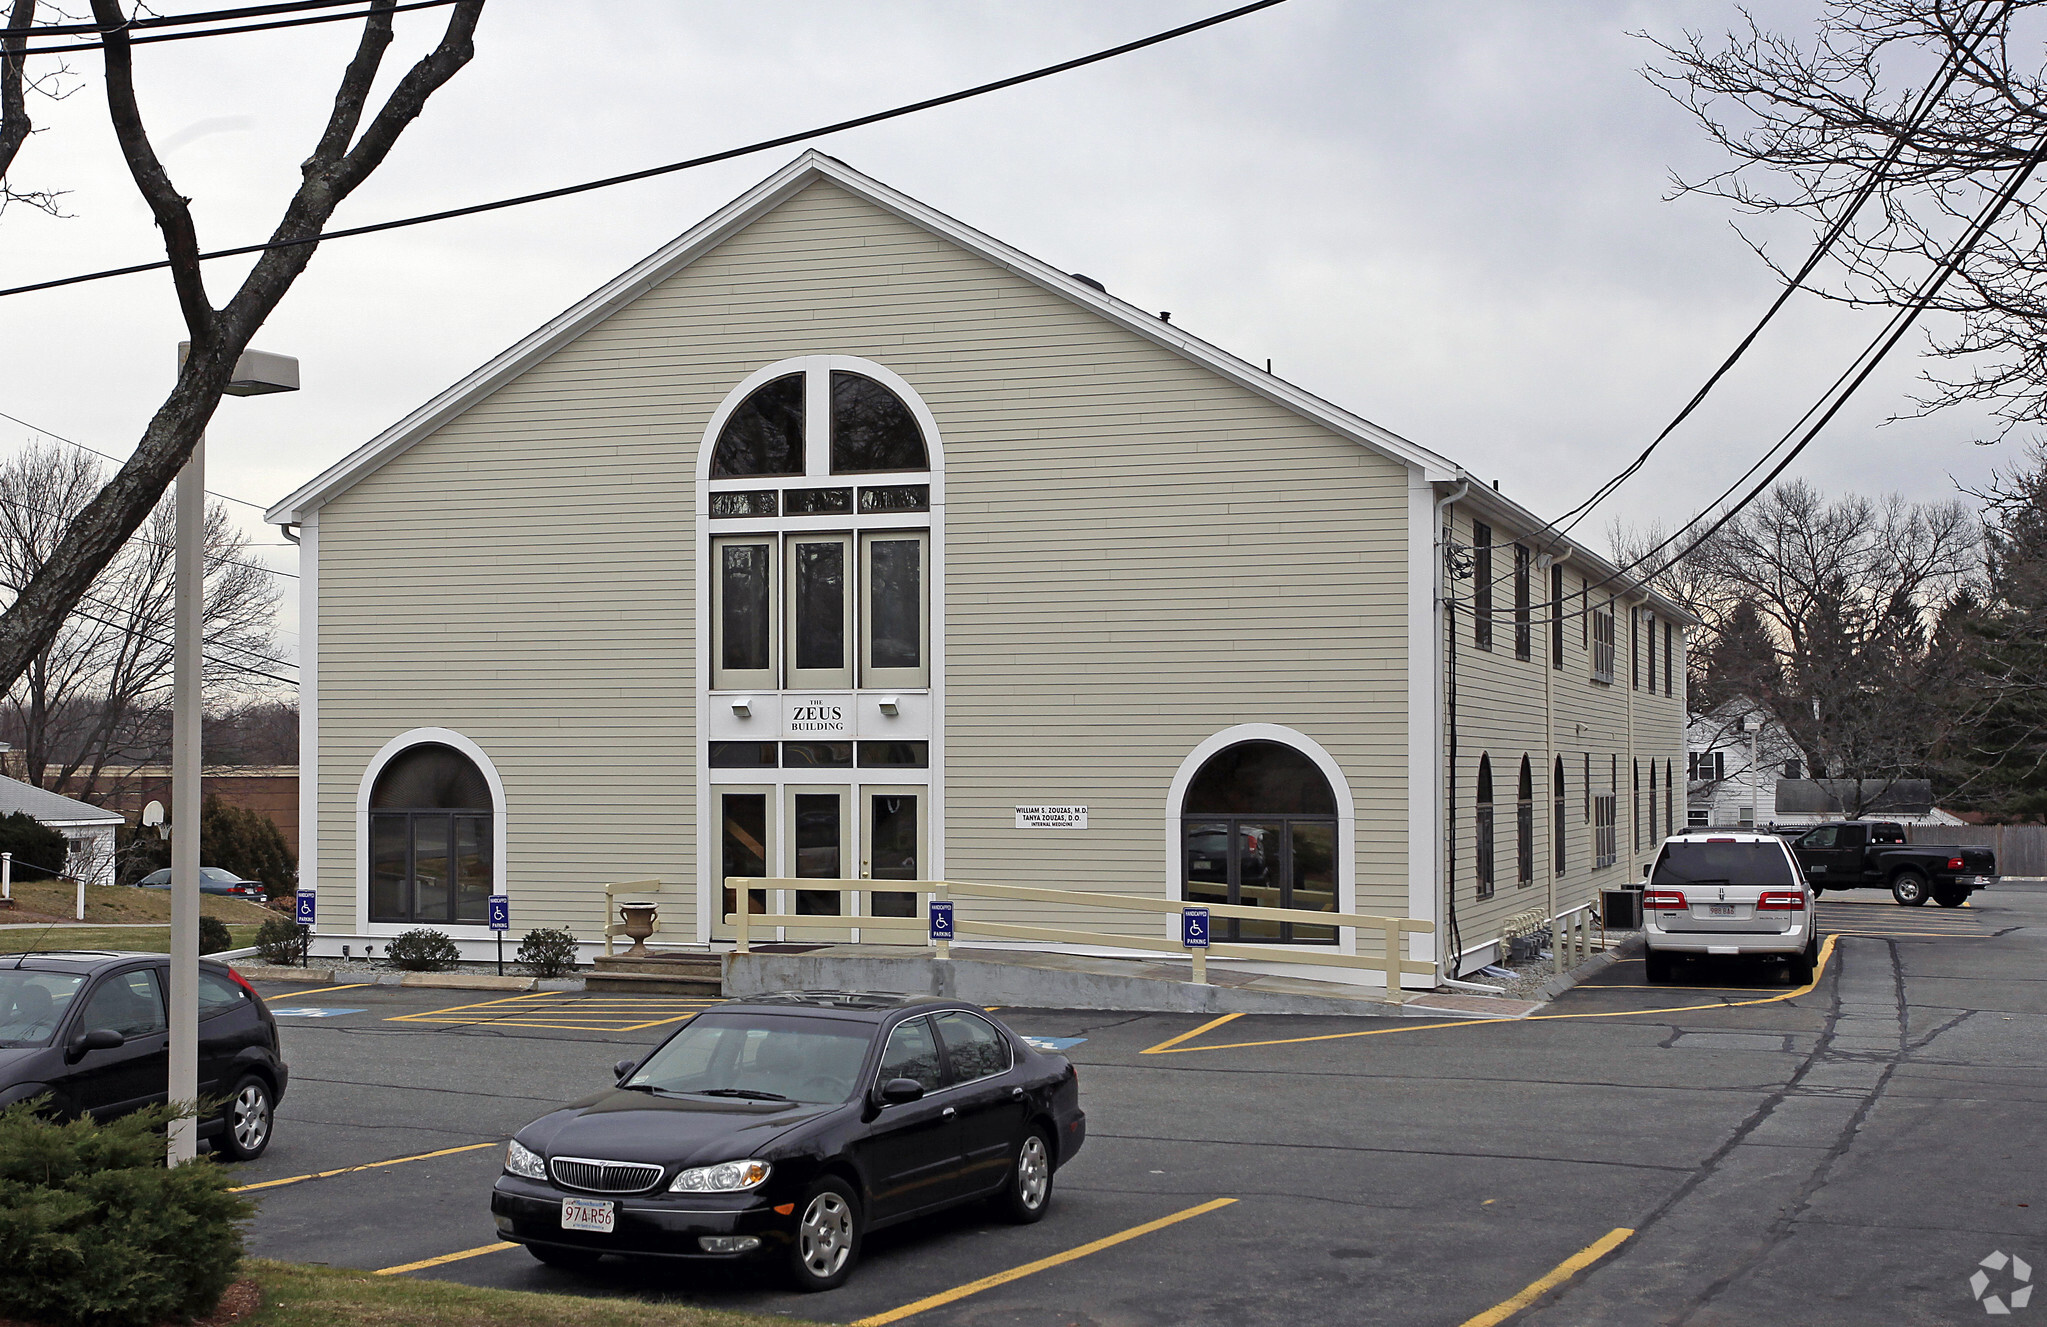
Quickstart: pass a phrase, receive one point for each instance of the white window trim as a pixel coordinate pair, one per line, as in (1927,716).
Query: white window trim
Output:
(929,780)
(498,817)
(1339,787)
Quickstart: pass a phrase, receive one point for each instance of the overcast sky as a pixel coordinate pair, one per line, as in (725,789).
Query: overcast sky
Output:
(1449,218)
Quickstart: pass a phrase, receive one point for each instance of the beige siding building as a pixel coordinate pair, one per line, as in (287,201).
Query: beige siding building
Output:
(835,534)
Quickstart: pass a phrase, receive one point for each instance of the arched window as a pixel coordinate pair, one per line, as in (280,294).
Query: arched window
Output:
(1258,828)
(430,838)
(1524,828)
(1635,803)
(871,428)
(1483,827)
(1558,832)
(764,436)
(1653,837)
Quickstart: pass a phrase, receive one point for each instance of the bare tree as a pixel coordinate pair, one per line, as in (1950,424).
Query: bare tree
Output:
(1832,619)
(1807,123)
(15,89)
(91,706)
(347,152)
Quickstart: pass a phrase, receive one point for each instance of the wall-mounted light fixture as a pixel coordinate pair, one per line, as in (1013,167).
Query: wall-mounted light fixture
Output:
(742,706)
(888,705)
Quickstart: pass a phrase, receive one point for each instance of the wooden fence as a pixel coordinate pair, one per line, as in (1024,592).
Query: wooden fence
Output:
(2021,849)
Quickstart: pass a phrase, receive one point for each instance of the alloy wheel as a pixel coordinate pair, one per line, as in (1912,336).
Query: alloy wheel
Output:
(250,1118)
(824,1238)
(1033,1172)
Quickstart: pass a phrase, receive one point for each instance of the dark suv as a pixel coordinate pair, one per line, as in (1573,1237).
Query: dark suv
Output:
(90,1029)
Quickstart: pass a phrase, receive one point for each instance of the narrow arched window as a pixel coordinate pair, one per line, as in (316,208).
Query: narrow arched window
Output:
(1558,832)
(764,436)
(431,837)
(1653,837)
(1483,827)
(1258,828)
(1524,827)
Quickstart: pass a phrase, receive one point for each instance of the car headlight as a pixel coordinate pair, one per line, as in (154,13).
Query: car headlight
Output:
(726,1177)
(523,1160)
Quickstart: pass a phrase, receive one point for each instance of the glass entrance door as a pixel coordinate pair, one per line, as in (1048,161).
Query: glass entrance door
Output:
(1263,862)
(894,845)
(743,846)
(819,843)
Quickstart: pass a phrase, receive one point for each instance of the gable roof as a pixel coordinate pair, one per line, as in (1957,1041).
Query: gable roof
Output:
(770,193)
(50,808)
(798,175)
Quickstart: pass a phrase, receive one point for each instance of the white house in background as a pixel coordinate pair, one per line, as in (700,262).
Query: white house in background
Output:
(1734,756)
(87,829)
(1812,801)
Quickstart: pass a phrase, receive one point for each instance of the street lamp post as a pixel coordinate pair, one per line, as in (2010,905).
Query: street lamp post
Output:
(256,374)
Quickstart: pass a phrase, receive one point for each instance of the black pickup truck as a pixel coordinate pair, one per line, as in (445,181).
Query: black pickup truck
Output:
(1873,854)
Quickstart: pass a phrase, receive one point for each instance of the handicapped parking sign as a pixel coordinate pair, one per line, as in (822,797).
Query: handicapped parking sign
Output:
(500,912)
(306,907)
(1194,928)
(941,919)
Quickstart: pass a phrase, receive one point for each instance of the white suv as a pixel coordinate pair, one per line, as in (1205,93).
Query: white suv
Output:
(1728,892)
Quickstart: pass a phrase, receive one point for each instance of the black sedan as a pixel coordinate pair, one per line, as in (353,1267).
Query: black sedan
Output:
(212,880)
(789,1126)
(90,1030)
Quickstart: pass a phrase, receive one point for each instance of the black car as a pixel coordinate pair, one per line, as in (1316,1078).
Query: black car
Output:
(90,1028)
(212,880)
(790,1126)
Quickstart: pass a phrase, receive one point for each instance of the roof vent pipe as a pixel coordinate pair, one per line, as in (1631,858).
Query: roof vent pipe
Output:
(1087,280)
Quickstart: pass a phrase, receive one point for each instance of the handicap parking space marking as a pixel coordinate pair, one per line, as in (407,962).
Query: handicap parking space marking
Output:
(1054,1043)
(313,1011)
(567,1011)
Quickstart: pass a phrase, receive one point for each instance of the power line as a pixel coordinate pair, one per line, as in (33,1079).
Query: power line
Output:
(220,32)
(140,538)
(109,456)
(225,663)
(178,20)
(728,154)
(1944,78)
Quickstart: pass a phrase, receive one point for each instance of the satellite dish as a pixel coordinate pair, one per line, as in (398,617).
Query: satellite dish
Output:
(152,815)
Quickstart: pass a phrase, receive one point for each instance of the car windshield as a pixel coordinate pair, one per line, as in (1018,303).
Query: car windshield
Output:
(32,1004)
(1722,864)
(216,875)
(766,1057)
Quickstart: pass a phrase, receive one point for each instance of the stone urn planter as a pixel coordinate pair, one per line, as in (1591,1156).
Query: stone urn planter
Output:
(639,924)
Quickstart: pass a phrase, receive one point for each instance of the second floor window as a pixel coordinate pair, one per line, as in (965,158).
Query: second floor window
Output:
(1482,585)
(1603,644)
(1523,614)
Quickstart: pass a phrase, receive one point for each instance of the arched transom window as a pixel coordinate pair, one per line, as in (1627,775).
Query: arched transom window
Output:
(1258,828)
(430,838)
(819,480)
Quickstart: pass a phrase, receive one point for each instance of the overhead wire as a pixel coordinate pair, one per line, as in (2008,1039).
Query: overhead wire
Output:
(139,538)
(150,38)
(728,154)
(109,456)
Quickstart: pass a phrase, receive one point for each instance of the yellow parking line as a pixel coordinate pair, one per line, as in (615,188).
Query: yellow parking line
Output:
(1018,1273)
(367,1165)
(444,1258)
(329,990)
(1819,970)
(1170,1042)
(1555,1277)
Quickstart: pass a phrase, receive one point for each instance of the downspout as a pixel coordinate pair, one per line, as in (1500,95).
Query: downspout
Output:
(1547,562)
(286,529)
(1448,953)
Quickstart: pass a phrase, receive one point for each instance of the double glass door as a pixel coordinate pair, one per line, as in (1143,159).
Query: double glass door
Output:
(1261,862)
(821,832)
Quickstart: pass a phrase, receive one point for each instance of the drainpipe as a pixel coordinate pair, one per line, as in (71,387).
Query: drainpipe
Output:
(1446,952)
(1549,731)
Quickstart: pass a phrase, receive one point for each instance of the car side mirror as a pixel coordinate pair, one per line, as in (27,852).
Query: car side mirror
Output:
(1645,872)
(99,1039)
(900,1091)
(624,1067)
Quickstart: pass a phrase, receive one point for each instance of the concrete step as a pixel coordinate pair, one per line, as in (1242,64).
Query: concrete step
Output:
(658,974)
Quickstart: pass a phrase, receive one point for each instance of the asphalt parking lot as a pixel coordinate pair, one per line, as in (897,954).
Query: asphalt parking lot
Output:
(1729,1150)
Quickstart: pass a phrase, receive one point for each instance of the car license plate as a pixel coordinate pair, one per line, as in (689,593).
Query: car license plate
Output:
(579,1215)
(1720,909)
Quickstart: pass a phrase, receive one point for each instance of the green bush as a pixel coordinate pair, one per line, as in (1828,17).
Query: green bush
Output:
(549,953)
(99,1233)
(39,851)
(281,941)
(247,843)
(423,950)
(213,936)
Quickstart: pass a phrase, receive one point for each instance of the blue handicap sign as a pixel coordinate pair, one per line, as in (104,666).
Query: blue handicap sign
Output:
(500,913)
(306,907)
(941,919)
(1054,1043)
(1194,927)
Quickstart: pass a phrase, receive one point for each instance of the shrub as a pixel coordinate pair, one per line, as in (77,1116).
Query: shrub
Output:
(39,851)
(548,953)
(423,950)
(248,843)
(281,941)
(213,936)
(99,1233)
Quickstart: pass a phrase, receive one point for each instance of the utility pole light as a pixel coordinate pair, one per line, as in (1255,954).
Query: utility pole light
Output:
(256,374)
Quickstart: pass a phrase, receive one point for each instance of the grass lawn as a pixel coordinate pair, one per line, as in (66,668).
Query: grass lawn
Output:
(300,1296)
(144,939)
(123,903)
